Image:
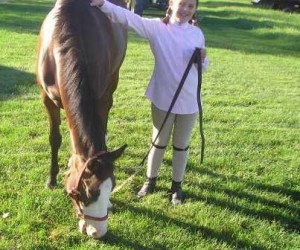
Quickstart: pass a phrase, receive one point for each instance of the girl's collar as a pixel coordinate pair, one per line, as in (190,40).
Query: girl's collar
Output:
(183,25)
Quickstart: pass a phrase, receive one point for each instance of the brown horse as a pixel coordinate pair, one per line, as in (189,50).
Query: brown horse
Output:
(79,56)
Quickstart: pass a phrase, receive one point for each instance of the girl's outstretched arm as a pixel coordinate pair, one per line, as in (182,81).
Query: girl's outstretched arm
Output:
(143,26)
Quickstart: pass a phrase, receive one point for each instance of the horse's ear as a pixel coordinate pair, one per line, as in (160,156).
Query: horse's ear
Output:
(116,153)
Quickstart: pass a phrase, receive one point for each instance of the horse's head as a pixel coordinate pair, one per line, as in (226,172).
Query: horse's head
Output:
(89,183)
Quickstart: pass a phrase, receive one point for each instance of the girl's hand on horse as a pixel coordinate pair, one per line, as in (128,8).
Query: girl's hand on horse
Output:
(97,3)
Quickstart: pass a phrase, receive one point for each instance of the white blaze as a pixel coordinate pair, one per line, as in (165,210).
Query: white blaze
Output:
(97,229)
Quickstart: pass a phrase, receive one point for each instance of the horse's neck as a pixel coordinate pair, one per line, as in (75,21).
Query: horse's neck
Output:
(84,150)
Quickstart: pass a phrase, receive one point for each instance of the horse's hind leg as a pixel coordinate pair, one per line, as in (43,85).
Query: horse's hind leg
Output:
(54,138)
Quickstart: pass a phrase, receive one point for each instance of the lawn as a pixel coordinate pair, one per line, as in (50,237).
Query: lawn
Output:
(246,194)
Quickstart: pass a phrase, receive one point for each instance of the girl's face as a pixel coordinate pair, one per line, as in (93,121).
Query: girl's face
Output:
(183,10)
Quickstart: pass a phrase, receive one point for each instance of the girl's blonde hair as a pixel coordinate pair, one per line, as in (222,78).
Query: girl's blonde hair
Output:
(166,19)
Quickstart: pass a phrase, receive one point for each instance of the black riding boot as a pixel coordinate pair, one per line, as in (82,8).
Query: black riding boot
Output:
(147,188)
(177,195)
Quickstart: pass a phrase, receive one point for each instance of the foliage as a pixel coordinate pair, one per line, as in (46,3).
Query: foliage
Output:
(285,5)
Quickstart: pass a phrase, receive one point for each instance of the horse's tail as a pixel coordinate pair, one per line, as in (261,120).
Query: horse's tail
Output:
(83,65)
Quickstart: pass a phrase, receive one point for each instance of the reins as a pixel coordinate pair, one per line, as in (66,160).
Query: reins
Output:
(196,58)
(73,192)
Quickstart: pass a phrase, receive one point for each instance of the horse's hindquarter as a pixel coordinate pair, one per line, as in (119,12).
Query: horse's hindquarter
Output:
(46,62)
(103,45)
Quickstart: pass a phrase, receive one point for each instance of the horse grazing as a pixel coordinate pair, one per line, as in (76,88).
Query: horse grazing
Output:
(80,53)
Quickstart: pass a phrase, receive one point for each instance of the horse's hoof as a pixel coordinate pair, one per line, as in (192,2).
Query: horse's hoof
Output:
(51,184)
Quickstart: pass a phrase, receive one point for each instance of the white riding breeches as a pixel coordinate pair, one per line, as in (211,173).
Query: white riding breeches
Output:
(182,126)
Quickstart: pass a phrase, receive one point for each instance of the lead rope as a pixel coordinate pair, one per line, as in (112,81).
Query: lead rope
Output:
(199,66)
(196,58)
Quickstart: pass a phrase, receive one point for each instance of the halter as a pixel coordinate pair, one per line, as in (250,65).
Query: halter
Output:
(73,192)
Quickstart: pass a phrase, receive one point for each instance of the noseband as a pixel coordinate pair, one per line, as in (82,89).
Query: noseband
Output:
(73,192)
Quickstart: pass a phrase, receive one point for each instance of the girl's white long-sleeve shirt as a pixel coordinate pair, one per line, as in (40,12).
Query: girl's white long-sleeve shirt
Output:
(172,46)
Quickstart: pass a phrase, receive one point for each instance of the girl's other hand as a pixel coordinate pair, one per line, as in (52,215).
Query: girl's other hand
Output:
(97,3)
(203,54)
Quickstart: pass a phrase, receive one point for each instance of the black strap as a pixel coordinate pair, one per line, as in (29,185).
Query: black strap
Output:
(181,149)
(199,66)
(158,146)
(196,58)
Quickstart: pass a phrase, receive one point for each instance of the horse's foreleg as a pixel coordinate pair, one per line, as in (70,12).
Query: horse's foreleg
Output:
(54,138)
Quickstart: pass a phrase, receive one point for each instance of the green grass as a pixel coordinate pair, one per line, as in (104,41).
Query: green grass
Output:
(246,194)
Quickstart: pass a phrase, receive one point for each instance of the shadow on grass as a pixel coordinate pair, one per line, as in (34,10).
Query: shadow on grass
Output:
(215,4)
(294,194)
(114,240)
(284,213)
(205,232)
(13,82)
(240,34)
(23,17)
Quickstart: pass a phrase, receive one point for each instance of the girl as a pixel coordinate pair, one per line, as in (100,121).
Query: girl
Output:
(173,41)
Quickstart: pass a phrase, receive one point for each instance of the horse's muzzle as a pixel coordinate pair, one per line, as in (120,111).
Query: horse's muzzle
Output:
(94,229)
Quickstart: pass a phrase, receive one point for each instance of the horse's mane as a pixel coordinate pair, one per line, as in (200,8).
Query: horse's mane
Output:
(80,58)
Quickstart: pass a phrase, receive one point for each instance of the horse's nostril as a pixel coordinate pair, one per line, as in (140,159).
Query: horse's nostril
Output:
(95,235)
(95,232)
(98,236)
(91,231)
